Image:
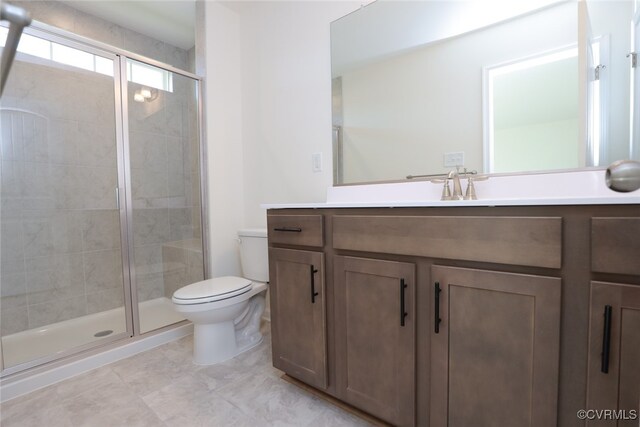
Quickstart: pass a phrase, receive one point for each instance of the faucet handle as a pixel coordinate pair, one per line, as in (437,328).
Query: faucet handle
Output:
(446,191)
(471,189)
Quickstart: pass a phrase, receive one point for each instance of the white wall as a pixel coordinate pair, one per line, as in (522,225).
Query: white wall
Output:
(224,137)
(286,101)
(268,108)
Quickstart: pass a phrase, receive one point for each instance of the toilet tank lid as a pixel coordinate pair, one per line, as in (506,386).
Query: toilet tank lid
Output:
(253,232)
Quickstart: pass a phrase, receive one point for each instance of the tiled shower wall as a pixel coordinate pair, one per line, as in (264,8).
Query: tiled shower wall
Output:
(60,234)
(165,185)
(60,231)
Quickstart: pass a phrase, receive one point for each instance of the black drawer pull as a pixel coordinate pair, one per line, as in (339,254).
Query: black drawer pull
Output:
(436,310)
(403,313)
(606,339)
(314,294)
(289,229)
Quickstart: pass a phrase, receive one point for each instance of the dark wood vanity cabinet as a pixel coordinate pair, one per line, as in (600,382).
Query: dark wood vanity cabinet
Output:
(614,351)
(614,319)
(495,348)
(298,297)
(298,307)
(522,294)
(375,343)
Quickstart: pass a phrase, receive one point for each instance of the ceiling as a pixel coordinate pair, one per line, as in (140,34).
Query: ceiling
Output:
(172,21)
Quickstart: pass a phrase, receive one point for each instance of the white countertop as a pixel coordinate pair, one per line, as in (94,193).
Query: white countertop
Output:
(566,188)
(458,203)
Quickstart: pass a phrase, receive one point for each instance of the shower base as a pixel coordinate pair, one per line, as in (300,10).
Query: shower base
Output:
(33,344)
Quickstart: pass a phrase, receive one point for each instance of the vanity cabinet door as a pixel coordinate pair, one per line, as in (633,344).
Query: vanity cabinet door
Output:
(614,351)
(298,305)
(495,348)
(375,337)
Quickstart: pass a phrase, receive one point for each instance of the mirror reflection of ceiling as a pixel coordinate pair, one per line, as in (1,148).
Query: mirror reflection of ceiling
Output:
(171,21)
(383,29)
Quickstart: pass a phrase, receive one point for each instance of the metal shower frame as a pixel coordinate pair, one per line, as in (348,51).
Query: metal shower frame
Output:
(119,57)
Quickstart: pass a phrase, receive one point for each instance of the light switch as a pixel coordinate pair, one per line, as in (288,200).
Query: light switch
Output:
(316,162)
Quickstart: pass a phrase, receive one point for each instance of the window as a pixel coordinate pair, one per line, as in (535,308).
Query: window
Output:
(137,72)
(148,75)
(45,49)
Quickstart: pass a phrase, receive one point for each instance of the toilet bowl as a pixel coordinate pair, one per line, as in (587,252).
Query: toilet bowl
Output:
(226,311)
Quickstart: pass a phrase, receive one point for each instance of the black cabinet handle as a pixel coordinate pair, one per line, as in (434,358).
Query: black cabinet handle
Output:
(436,310)
(606,339)
(289,229)
(403,313)
(314,294)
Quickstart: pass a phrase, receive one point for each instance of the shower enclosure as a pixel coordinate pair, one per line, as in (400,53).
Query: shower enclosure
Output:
(101,213)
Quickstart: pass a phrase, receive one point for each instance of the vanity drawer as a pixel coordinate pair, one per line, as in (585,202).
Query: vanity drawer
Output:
(523,241)
(615,245)
(301,230)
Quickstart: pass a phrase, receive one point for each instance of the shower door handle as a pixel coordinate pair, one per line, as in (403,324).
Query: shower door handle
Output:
(118,198)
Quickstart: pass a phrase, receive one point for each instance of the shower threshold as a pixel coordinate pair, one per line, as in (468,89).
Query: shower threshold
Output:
(57,337)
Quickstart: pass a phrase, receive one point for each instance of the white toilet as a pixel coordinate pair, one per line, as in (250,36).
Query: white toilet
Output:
(226,311)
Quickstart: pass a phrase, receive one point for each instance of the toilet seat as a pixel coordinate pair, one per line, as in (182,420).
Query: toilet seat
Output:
(210,290)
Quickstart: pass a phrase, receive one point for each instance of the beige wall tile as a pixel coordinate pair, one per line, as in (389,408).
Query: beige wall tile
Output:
(100,230)
(105,300)
(150,226)
(54,278)
(56,311)
(102,270)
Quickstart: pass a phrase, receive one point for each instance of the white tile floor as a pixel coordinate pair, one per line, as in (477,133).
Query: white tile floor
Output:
(162,387)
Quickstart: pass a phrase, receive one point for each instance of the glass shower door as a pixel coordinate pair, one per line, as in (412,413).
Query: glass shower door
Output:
(164,161)
(61,275)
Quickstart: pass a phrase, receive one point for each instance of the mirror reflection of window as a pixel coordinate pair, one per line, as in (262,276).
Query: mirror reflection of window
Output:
(609,36)
(597,93)
(531,117)
(634,141)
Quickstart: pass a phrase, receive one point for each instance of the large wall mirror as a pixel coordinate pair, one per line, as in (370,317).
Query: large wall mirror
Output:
(422,87)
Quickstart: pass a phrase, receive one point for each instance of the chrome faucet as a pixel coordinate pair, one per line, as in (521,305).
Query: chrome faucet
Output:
(454,175)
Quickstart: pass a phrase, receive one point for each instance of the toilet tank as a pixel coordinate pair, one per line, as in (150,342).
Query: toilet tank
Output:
(254,254)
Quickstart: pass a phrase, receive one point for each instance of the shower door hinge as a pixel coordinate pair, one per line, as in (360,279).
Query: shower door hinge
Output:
(634,59)
(597,70)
